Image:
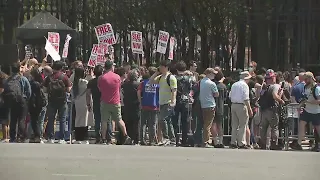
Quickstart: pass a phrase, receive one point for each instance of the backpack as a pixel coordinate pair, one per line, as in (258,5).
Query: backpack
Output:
(168,79)
(57,91)
(313,91)
(13,90)
(184,87)
(266,99)
(38,98)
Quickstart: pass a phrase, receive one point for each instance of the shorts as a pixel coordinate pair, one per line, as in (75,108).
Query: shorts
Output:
(218,119)
(310,118)
(110,112)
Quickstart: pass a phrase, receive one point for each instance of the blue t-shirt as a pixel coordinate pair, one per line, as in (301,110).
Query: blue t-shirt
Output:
(207,89)
(297,91)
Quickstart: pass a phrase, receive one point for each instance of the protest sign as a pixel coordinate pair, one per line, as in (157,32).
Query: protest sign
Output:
(162,42)
(54,39)
(171,47)
(97,56)
(28,51)
(66,47)
(104,33)
(136,42)
(52,51)
(92,63)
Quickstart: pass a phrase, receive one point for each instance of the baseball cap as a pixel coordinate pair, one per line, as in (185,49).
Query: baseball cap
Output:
(310,75)
(108,64)
(270,73)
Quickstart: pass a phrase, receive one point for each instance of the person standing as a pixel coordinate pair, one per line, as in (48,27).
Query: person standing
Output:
(37,105)
(311,112)
(132,105)
(109,85)
(57,86)
(184,87)
(93,97)
(269,100)
(208,92)
(4,110)
(148,95)
(17,92)
(84,118)
(167,99)
(219,116)
(240,111)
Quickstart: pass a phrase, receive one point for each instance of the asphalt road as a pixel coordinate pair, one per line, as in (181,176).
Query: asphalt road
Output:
(98,162)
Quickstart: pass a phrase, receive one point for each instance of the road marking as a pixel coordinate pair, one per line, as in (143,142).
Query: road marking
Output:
(74,175)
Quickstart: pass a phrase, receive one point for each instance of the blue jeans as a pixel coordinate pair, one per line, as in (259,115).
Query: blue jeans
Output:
(62,116)
(165,118)
(97,126)
(40,123)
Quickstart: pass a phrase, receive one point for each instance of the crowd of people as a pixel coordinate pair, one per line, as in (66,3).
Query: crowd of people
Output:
(168,105)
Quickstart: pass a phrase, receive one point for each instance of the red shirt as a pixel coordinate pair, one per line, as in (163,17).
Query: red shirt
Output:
(57,75)
(109,85)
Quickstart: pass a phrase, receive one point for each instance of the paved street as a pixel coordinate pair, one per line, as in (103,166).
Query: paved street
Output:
(98,162)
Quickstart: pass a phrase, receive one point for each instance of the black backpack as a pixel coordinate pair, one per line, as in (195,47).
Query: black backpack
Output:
(313,91)
(38,98)
(184,86)
(167,79)
(57,91)
(266,99)
(12,90)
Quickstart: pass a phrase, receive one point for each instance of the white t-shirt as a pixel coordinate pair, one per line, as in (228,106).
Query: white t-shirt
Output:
(312,108)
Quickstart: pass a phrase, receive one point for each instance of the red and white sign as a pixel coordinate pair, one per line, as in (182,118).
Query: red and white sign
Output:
(104,33)
(54,39)
(171,47)
(136,42)
(92,63)
(66,47)
(97,56)
(162,42)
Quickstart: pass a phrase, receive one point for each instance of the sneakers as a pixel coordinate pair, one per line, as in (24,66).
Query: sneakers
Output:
(127,140)
(219,146)
(296,146)
(5,141)
(50,141)
(61,141)
(85,142)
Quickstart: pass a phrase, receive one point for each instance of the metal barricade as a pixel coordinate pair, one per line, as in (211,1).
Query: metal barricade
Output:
(293,111)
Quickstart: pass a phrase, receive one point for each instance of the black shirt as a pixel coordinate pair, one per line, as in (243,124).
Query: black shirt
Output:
(96,94)
(130,97)
(222,88)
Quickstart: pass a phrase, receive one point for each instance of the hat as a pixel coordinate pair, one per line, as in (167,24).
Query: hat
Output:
(245,75)
(108,64)
(310,75)
(270,73)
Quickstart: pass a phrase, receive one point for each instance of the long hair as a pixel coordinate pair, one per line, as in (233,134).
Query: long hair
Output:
(36,75)
(79,73)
